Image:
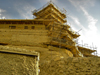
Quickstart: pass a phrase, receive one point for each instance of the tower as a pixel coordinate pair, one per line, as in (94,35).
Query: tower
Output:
(61,35)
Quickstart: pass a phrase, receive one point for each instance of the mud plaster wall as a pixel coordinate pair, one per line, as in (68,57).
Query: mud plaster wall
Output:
(14,64)
(22,26)
(71,66)
(23,37)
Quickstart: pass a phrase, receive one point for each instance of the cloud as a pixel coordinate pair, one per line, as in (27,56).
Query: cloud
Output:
(54,1)
(84,3)
(77,22)
(25,10)
(1,15)
(92,29)
(91,21)
(90,35)
(2,10)
(81,4)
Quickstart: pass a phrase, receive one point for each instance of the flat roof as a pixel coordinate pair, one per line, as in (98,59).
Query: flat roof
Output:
(26,20)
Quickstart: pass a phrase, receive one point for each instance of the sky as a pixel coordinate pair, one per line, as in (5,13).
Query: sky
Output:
(82,15)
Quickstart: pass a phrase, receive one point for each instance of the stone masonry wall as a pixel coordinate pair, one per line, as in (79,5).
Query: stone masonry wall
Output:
(71,66)
(17,64)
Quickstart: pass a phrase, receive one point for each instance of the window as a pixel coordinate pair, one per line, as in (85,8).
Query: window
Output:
(12,27)
(26,27)
(33,27)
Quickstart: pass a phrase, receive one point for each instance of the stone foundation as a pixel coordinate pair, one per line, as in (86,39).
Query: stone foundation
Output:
(71,66)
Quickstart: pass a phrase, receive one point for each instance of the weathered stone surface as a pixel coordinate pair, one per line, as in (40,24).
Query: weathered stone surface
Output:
(82,66)
(16,61)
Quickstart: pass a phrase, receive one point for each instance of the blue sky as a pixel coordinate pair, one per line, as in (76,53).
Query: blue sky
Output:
(81,14)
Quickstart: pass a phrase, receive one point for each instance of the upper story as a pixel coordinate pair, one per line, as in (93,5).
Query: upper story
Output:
(51,11)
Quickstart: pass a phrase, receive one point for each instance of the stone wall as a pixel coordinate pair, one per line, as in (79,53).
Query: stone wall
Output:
(15,61)
(71,66)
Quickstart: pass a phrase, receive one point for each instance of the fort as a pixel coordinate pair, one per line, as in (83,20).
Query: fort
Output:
(55,41)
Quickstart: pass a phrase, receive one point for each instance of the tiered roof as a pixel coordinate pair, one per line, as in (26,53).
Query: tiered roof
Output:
(50,11)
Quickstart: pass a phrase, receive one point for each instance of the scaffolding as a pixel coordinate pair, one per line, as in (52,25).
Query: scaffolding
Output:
(62,11)
(60,35)
(48,11)
(84,47)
